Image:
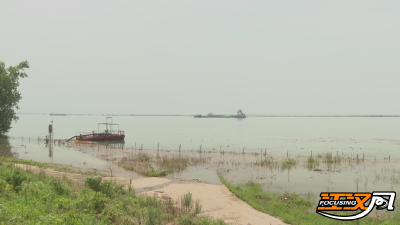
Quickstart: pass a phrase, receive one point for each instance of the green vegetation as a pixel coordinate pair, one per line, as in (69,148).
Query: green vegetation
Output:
(45,165)
(9,94)
(5,147)
(312,163)
(294,209)
(144,164)
(329,159)
(288,163)
(267,162)
(29,198)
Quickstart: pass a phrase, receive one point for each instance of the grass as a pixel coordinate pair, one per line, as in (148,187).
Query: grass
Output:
(294,209)
(329,159)
(267,162)
(288,163)
(29,198)
(45,165)
(312,163)
(157,166)
(144,167)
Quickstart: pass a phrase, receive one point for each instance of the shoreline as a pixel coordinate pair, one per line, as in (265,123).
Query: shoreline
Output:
(215,198)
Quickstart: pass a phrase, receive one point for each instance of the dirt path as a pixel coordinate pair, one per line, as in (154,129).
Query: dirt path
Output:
(217,200)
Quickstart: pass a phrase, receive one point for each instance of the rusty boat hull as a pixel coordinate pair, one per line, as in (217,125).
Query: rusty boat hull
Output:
(101,137)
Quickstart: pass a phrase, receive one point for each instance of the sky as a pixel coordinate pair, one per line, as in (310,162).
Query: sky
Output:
(196,57)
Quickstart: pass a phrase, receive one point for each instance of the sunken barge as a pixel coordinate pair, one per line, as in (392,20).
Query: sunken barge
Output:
(109,134)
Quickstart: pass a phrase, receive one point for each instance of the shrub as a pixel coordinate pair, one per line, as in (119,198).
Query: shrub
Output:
(15,177)
(148,201)
(108,188)
(112,212)
(58,187)
(112,189)
(73,217)
(204,220)
(5,188)
(150,216)
(63,203)
(91,201)
(42,174)
(187,202)
(186,220)
(93,183)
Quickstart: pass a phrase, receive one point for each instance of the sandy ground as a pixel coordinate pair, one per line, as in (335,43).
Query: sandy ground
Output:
(216,200)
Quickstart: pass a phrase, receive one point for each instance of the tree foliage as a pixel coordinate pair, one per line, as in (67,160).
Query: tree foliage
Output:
(9,94)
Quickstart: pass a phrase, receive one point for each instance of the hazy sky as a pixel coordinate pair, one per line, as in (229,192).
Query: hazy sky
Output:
(190,57)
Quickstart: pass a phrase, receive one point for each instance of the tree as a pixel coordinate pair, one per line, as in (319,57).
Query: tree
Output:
(9,94)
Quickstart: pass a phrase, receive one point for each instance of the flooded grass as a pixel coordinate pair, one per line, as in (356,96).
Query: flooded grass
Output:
(267,162)
(312,163)
(288,163)
(156,165)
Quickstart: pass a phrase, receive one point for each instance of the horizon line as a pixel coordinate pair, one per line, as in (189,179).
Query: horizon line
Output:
(248,115)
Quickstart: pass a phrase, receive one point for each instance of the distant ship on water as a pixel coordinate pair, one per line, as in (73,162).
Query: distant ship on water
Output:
(239,114)
(57,114)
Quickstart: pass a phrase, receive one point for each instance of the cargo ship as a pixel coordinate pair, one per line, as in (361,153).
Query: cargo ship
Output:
(239,114)
(57,114)
(109,134)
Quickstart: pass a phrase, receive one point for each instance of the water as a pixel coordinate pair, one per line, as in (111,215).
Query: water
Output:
(300,135)
(375,139)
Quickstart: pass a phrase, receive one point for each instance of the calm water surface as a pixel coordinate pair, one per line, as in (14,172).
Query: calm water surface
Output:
(300,135)
(373,138)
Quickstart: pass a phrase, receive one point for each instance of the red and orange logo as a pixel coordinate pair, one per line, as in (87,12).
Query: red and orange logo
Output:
(342,201)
